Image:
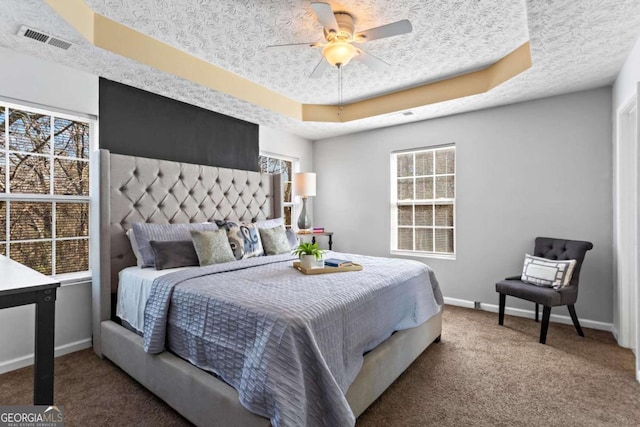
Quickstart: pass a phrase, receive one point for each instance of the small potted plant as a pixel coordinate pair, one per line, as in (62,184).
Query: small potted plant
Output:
(308,253)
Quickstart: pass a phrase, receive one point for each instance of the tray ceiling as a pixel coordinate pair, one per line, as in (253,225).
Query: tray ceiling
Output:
(574,46)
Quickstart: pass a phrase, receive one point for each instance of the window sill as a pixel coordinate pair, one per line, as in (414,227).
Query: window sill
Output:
(70,279)
(424,255)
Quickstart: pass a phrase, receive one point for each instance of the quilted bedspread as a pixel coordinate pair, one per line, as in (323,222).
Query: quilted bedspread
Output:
(289,343)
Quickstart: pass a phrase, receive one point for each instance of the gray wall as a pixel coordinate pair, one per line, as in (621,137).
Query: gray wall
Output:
(33,81)
(539,168)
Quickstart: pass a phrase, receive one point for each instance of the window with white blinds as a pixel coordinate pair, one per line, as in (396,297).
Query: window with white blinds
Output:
(423,201)
(44,189)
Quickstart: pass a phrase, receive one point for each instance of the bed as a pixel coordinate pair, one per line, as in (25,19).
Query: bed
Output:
(134,189)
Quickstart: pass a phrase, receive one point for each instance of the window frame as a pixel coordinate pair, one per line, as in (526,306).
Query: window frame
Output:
(394,203)
(54,199)
(295,168)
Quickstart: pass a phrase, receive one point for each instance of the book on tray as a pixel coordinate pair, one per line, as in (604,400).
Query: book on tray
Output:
(318,229)
(335,262)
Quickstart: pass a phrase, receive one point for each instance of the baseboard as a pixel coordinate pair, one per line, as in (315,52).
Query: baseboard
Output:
(459,302)
(614,331)
(530,314)
(21,362)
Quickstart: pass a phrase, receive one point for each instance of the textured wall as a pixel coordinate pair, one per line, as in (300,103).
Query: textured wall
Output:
(539,168)
(140,123)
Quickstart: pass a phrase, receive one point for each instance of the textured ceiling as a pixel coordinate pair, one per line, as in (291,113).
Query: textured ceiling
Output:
(575,45)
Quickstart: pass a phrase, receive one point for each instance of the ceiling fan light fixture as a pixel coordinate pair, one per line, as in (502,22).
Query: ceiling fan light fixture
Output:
(339,52)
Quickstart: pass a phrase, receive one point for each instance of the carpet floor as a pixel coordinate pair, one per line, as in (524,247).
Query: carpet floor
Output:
(481,374)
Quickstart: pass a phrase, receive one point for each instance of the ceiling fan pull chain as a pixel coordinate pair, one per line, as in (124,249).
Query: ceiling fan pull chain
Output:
(340,106)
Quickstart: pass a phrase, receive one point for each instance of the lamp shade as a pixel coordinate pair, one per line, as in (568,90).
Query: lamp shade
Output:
(304,184)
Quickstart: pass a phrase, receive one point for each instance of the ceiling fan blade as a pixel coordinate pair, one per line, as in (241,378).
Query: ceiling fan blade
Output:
(320,69)
(287,46)
(389,30)
(373,62)
(325,16)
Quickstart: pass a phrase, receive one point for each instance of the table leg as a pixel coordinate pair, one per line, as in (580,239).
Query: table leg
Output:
(43,366)
(313,239)
(330,241)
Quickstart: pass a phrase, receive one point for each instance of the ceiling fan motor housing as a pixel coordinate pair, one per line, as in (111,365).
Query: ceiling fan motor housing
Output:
(345,27)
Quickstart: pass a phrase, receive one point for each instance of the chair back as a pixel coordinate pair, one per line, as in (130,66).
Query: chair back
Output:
(562,249)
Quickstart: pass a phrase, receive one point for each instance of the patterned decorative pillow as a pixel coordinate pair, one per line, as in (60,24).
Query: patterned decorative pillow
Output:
(244,239)
(212,247)
(547,272)
(274,240)
(146,232)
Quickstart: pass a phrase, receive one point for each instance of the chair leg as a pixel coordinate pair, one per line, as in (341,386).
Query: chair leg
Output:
(546,312)
(574,317)
(503,298)
(537,312)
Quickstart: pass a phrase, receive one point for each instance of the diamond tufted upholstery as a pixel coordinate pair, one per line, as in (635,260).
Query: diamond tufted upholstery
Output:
(160,191)
(554,249)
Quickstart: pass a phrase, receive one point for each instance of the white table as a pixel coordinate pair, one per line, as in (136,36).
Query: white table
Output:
(20,285)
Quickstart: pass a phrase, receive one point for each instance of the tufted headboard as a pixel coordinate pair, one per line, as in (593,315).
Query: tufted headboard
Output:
(137,189)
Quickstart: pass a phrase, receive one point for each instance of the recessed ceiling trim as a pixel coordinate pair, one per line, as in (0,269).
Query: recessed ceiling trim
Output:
(472,83)
(110,35)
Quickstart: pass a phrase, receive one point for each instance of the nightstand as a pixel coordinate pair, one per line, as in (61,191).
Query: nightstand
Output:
(313,236)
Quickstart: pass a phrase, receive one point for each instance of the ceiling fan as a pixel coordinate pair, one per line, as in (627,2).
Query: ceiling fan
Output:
(341,44)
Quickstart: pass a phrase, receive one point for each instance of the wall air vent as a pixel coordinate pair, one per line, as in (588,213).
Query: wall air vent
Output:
(30,33)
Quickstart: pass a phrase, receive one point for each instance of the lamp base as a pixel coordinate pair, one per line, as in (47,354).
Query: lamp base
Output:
(304,223)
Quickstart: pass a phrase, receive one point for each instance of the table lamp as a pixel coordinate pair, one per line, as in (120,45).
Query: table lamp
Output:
(304,185)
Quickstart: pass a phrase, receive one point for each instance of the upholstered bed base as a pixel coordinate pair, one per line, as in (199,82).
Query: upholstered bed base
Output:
(205,400)
(137,189)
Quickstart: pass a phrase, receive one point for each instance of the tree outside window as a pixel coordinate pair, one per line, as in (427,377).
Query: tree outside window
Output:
(44,190)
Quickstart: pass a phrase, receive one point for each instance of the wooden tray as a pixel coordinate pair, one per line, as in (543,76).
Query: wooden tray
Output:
(326,270)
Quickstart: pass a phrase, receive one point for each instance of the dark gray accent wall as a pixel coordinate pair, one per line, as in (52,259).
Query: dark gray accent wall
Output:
(140,123)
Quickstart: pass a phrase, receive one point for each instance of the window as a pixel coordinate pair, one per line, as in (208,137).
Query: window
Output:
(286,166)
(44,189)
(423,201)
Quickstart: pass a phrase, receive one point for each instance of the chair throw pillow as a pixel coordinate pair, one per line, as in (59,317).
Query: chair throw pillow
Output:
(547,272)
(212,247)
(244,239)
(274,240)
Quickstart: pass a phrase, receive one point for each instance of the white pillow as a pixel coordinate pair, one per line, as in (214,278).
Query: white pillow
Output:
(134,246)
(547,272)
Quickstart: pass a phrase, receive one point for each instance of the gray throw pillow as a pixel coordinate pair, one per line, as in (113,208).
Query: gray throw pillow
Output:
(146,232)
(270,223)
(274,240)
(293,239)
(212,247)
(173,254)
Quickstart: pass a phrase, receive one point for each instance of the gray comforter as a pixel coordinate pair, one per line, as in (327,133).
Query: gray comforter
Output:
(290,344)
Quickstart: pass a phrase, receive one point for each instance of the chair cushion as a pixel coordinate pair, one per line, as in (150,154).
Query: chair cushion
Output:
(541,295)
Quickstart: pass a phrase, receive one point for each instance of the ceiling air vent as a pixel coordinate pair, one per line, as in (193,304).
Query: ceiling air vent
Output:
(30,33)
